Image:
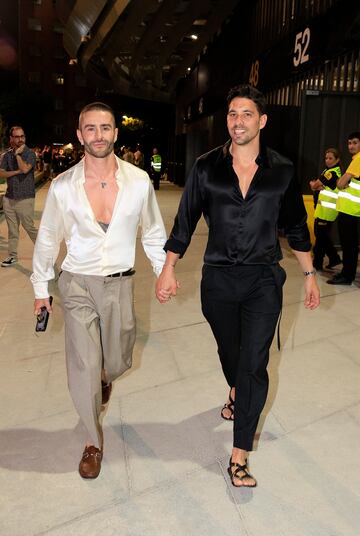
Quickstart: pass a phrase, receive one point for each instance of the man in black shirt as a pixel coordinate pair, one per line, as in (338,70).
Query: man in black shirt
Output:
(245,193)
(17,167)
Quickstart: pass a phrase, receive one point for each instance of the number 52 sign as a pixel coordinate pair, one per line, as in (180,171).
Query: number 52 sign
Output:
(302,42)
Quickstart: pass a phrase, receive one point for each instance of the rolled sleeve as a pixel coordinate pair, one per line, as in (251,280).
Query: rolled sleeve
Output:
(329,178)
(175,246)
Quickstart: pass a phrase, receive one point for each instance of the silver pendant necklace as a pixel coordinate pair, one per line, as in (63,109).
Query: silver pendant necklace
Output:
(103,184)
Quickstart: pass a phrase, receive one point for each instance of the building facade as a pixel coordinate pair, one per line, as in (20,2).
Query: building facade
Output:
(303,54)
(50,87)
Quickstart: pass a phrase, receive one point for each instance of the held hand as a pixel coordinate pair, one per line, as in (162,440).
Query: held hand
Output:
(19,150)
(312,293)
(42,302)
(166,285)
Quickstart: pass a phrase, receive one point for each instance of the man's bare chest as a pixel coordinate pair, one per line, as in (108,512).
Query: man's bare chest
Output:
(102,198)
(245,175)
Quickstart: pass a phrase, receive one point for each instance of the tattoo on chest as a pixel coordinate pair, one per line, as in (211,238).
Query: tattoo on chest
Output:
(103,184)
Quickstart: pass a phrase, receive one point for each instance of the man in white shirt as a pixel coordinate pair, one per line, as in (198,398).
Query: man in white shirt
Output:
(96,207)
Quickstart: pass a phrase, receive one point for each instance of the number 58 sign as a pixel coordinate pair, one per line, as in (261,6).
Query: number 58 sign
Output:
(302,41)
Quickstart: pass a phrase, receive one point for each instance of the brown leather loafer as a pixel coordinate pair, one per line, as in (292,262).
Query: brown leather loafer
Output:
(106,392)
(90,463)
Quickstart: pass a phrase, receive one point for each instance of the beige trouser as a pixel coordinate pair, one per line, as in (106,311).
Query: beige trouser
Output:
(19,211)
(100,332)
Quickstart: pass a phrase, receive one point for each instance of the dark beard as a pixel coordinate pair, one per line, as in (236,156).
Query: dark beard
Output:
(103,154)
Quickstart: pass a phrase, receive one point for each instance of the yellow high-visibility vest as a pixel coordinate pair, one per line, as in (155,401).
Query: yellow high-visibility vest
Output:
(326,205)
(349,199)
(156,162)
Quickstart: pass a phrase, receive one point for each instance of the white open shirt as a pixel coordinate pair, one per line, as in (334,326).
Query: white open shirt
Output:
(90,251)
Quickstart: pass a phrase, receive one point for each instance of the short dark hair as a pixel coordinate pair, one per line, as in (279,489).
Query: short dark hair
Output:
(15,128)
(353,135)
(97,106)
(248,92)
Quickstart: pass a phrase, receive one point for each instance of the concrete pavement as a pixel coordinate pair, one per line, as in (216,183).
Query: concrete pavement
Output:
(166,447)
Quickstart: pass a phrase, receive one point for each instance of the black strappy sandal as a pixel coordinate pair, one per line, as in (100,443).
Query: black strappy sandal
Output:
(230,407)
(235,474)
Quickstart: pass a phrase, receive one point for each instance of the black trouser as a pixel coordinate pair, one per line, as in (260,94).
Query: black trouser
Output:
(242,305)
(324,245)
(155,176)
(349,239)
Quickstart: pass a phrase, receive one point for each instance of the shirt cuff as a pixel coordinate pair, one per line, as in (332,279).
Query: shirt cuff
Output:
(41,290)
(300,246)
(158,270)
(175,246)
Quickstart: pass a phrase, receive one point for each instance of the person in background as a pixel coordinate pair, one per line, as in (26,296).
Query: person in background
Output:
(128,155)
(46,156)
(39,160)
(155,166)
(139,157)
(74,157)
(245,192)
(325,196)
(60,162)
(18,167)
(348,206)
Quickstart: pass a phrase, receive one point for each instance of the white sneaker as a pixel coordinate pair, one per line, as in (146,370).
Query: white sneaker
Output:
(9,261)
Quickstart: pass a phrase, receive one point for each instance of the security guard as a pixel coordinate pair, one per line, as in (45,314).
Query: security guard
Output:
(326,193)
(348,206)
(156,168)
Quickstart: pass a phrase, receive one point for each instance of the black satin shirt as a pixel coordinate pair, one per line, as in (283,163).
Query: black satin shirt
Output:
(241,231)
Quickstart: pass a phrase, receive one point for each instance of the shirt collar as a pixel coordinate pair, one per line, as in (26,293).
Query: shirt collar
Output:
(262,158)
(79,172)
(118,168)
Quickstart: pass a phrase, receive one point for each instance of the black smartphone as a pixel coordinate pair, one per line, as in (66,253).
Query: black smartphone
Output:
(43,317)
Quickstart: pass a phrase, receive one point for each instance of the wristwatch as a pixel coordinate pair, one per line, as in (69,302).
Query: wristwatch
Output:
(312,272)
